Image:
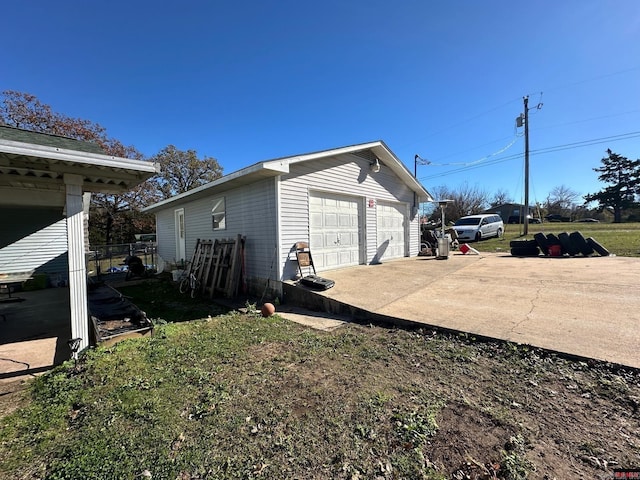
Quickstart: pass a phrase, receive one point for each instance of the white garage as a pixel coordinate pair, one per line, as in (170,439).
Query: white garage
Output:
(335,231)
(353,205)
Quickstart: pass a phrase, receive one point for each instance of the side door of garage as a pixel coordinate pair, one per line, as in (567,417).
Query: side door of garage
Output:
(335,230)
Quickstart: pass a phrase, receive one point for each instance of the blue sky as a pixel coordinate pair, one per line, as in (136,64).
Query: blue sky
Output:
(246,81)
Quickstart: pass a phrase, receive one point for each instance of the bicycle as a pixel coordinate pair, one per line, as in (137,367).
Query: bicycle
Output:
(189,281)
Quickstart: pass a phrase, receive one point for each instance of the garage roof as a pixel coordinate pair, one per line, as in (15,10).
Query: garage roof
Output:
(279,166)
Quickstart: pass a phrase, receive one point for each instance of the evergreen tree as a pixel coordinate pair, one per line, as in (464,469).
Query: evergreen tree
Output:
(623,178)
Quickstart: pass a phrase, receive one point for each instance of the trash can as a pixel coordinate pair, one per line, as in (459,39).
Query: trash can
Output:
(443,248)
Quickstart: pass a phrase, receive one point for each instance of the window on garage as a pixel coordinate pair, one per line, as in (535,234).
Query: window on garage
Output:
(218,214)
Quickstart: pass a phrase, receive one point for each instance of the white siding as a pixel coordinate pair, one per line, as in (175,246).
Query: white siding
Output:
(250,211)
(37,240)
(165,235)
(346,174)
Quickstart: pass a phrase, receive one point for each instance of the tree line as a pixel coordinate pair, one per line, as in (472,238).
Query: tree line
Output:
(117,218)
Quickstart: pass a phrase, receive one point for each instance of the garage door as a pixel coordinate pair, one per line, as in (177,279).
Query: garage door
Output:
(391,227)
(334,236)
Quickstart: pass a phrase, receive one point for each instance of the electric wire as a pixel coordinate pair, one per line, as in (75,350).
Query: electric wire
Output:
(486,157)
(541,151)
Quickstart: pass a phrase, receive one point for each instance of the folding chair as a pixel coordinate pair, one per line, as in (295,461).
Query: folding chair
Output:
(303,255)
(304,258)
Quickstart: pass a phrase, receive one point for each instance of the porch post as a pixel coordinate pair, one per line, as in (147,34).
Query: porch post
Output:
(77,265)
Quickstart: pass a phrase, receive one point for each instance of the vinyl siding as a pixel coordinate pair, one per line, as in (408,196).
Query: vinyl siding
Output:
(348,175)
(249,211)
(165,235)
(37,240)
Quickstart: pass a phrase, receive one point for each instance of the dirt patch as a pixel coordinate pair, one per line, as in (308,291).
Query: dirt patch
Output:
(12,396)
(501,406)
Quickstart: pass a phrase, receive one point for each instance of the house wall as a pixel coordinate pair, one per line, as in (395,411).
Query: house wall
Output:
(249,211)
(37,240)
(345,174)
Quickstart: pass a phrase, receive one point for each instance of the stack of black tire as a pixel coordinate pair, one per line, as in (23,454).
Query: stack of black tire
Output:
(570,244)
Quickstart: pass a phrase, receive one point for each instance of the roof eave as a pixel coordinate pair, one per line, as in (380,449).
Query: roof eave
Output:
(60,154)
(239,177)
(281,165)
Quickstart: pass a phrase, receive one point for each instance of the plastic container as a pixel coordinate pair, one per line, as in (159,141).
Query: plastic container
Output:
(555,251)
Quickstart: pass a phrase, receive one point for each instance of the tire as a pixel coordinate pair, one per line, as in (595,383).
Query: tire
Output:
(541,240)
(579,242)
(603,252)
(525,251)
(567,244)
(499,233)
(553,240)
(478,237)
(523,243)
(184,285)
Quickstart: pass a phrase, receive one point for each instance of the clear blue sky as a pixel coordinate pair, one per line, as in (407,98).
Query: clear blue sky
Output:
(246,81)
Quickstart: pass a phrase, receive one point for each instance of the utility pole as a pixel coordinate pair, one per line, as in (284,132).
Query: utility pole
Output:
(526,165)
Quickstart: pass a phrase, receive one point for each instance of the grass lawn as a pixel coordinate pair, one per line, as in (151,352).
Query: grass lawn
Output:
(622,239)
(238,396)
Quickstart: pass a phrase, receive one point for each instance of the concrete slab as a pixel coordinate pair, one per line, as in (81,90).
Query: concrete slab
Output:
(583,306)
(34,333)
(317,320)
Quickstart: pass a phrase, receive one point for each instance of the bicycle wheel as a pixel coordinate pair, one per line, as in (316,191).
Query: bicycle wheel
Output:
(184,285)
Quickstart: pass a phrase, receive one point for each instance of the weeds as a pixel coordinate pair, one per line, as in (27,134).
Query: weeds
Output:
(515,465)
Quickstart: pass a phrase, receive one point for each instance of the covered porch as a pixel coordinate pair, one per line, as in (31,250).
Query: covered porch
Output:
(46,184)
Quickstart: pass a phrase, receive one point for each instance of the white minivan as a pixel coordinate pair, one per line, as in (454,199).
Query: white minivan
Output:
(477,227)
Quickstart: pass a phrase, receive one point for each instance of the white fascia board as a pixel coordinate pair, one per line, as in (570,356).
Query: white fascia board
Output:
(75,156)
(330,153)
(271,169)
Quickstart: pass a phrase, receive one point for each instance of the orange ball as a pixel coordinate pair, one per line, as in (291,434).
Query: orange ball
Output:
(268,309)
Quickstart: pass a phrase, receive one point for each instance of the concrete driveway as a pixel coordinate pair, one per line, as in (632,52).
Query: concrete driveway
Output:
(584,306)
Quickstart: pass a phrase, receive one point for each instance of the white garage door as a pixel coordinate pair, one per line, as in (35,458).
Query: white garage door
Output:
(391,227)
(334,236)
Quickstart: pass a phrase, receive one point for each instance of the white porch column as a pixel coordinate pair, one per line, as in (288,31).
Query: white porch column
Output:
(77,266)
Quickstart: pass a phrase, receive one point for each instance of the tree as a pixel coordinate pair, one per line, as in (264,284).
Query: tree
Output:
(109,213)
(466,200)
(561,200)
(181,171)
(500,198)
(623,177)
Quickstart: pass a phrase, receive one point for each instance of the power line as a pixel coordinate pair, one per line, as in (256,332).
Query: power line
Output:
(542,151)
(498,152)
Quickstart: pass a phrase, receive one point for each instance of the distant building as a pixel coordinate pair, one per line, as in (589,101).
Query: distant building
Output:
(507,210)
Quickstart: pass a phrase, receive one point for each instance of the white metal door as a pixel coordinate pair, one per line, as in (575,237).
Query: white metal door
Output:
(391,221)
(334,230)
(181,250)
